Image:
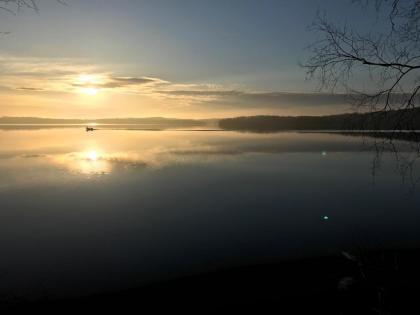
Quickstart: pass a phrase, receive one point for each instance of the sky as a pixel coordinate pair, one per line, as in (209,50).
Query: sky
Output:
(171,58)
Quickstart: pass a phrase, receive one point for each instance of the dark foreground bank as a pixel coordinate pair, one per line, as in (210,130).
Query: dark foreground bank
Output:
(354,283)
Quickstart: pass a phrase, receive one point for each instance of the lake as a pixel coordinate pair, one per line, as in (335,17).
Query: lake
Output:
(112,209)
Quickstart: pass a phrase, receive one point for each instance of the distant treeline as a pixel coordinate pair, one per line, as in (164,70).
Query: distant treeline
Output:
(391,120)
(117,121)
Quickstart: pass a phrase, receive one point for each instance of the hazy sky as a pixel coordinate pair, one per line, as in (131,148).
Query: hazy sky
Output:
(174,58)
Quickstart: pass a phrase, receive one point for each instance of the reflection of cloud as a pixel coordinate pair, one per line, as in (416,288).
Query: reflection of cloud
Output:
(93,162)
(272,144)
(209,151)
(96,163)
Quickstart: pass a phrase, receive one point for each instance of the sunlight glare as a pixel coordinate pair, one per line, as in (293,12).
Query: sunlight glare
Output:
(92,155)
(89,91)
(87,84)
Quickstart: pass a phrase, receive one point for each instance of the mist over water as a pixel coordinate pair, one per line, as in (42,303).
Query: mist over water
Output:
(87,212)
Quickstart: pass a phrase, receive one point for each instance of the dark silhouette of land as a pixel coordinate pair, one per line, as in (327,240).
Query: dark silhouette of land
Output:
(378,282)
(371,124)
(394,120)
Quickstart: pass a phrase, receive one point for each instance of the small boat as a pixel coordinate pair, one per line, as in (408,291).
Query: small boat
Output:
(89,129)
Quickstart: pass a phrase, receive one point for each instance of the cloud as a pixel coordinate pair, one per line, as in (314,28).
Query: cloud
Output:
(65,75)
(29,89)
(220,93)
(134,81)
(263,99)
(70,76)
(120,82)
(41,67)
(40,74)
(286,99)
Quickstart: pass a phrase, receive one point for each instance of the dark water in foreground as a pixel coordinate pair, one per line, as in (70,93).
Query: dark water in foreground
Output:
(84,212)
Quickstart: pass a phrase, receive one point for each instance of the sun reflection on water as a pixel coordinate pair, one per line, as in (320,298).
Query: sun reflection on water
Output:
(92,155)
(96,162)
(89,162)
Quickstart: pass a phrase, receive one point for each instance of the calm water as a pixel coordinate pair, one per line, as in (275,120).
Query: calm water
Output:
(113,209)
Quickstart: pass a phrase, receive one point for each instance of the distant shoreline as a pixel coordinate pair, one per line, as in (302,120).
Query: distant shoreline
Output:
(399,120)
(391,120)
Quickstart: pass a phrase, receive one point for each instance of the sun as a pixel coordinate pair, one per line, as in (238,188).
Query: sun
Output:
(91,91)
(92,156)
(87,84)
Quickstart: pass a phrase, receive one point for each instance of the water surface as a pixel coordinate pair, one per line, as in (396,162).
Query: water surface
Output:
(86,212)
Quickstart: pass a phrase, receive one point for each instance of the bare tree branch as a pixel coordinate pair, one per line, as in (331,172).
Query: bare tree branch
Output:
(14,6)
(389,58)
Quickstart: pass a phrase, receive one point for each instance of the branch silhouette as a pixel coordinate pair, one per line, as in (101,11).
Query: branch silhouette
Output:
(389,56)
(14,6)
